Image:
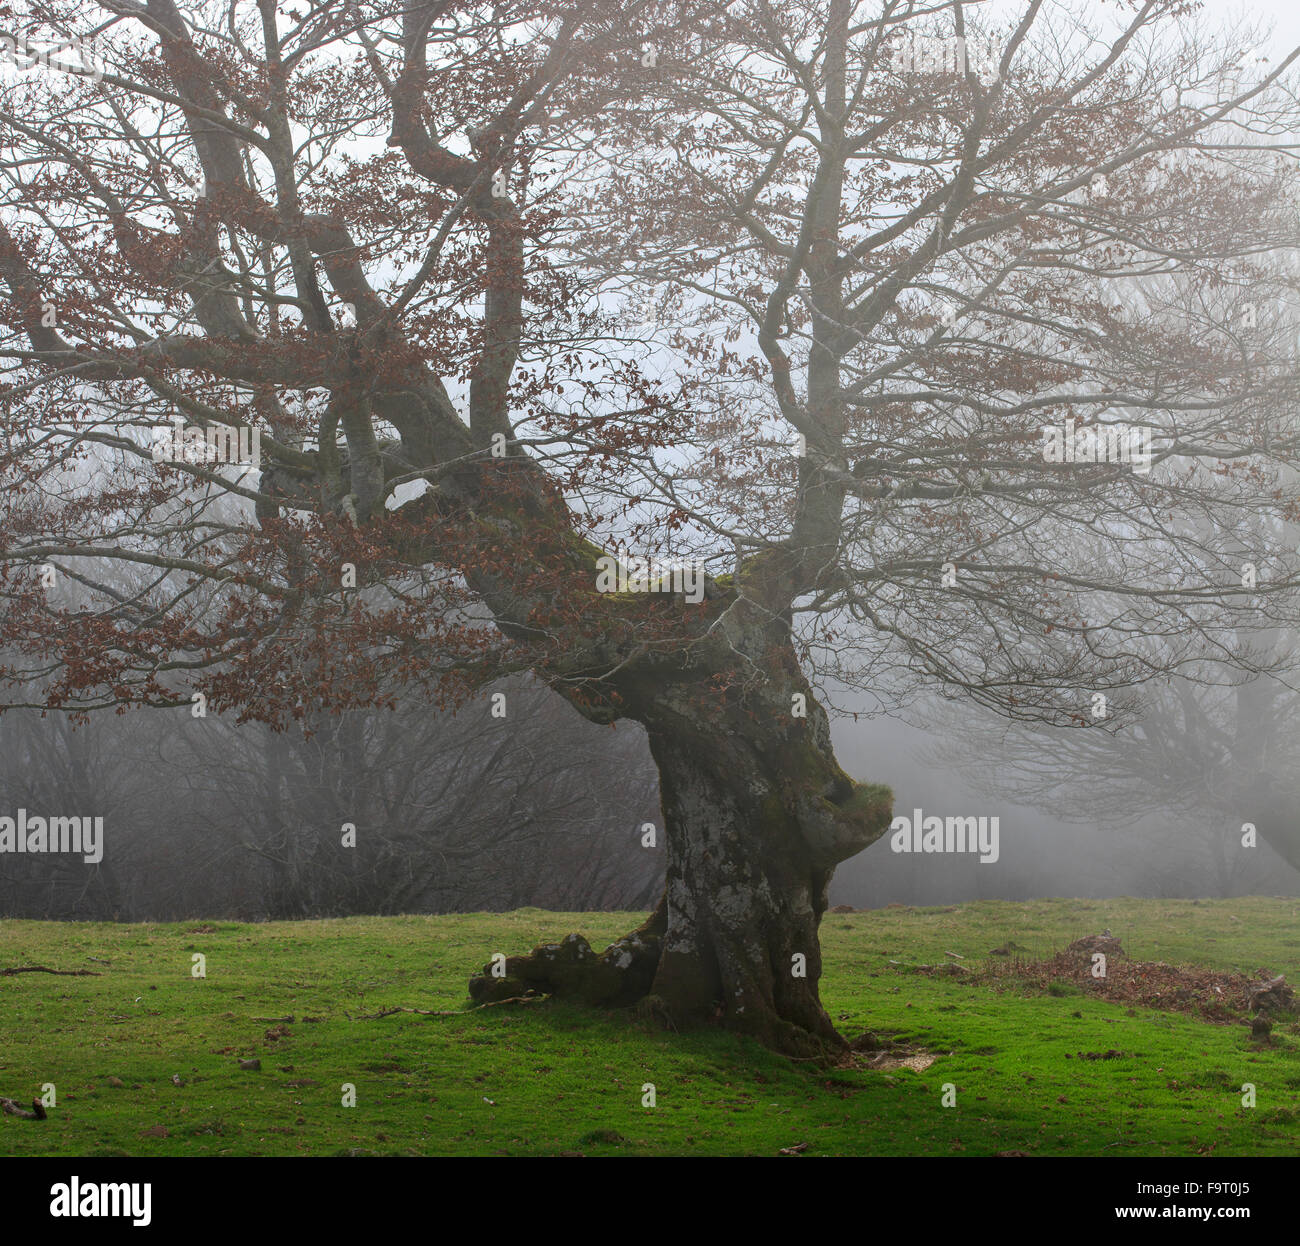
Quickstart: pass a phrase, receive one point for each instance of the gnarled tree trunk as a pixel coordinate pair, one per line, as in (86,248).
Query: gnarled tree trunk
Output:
(757,815)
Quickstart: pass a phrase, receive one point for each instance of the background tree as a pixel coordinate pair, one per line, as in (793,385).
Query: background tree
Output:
(1215,764)
(447,813)
(387,235)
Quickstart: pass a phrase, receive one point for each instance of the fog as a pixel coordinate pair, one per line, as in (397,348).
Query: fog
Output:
(457,812)
(1042,853)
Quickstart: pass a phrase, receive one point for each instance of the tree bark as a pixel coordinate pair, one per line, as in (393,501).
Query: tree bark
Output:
(757,814)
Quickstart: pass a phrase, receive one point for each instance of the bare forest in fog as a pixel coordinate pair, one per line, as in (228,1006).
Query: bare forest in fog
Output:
(470,812)
(455,813)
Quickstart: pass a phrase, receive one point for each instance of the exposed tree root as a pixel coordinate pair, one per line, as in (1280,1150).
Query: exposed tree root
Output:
(624,976)
(11,1108)
(620,976)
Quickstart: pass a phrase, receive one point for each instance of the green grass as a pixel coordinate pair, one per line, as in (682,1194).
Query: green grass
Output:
(561,1079)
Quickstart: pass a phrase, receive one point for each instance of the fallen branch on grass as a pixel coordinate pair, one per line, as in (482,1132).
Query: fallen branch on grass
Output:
(388,1012)
(12,1109)
(63,973)
(447,1012)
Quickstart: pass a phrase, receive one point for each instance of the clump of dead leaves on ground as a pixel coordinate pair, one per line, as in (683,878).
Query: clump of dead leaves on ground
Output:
(1208,993)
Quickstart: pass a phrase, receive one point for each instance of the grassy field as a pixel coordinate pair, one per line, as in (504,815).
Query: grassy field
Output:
(548,1079)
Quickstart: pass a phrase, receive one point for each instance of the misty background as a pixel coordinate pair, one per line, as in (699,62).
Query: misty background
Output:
(466,812)
(469,811)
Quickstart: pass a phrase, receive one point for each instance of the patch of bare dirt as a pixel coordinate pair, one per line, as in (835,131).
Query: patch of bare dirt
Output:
(882,1054)
(917,1061)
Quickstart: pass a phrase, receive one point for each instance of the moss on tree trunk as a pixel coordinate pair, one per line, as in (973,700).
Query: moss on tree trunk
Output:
(757,814)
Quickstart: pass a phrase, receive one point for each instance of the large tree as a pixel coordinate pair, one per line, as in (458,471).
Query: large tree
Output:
(396,238)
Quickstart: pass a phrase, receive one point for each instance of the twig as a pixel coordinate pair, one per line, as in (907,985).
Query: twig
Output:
(63,973)
(388,1012)
(447,1012)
